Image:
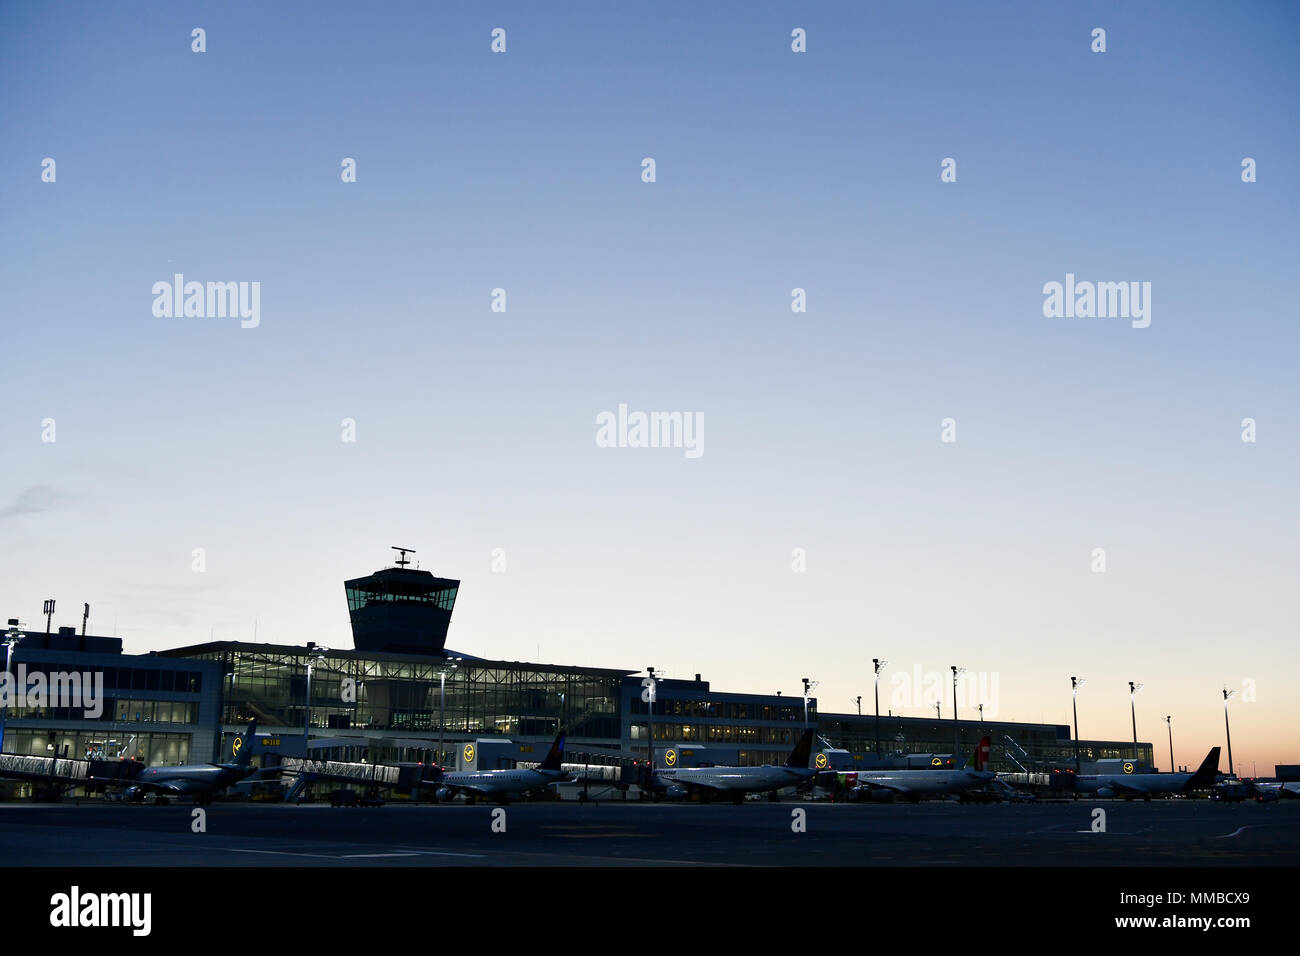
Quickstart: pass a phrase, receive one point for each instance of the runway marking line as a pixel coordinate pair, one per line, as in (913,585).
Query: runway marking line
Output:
(474,856)
(1249,826)
(235,849)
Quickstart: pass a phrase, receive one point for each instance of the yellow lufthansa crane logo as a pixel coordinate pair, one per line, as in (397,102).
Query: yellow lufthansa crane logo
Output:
(936,762)
(469,753)
(1128,767)
(236,746)
(670,757)
(821,761)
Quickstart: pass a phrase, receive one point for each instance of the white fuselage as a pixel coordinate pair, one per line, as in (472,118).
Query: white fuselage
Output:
(924,781)
(501,782)
(737,779)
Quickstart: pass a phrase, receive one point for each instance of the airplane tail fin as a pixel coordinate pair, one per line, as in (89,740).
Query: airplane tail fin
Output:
(555,756)
(1205,773)
(982,753)
(243,745)
(802,751)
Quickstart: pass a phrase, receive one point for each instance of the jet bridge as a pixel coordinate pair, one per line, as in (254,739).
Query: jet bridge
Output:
(66,772)
(51,769)
(374,775)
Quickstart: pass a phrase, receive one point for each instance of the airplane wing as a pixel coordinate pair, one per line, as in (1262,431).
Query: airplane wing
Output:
(470,789)
(1125,789)
(179,786)
(693,786)
(690,786)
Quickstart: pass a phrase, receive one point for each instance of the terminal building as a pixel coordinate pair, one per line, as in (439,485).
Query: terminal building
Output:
(400,695)
(161,710)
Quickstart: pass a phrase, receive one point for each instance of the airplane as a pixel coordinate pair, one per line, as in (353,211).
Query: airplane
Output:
(735,782)
(500,784)
(200,781)
(1145,785)
(1269,791)
(915,784)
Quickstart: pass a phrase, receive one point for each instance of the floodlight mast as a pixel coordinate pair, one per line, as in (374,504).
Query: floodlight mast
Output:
(650,695)
(12,638)
(1133,688)
(809,686)
(1226,694)
(879,664)
(316,653)
(1075,684)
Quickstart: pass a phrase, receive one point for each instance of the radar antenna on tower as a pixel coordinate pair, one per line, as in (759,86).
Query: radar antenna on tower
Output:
(403,552)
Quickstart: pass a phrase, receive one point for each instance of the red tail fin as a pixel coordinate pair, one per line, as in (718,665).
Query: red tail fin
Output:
(982,754)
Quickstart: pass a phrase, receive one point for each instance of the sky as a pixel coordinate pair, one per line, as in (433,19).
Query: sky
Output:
(195,479)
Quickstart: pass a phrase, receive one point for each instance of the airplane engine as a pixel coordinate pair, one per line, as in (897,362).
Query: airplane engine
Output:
(134,794)
(1105,791)
(676,792)
(443,794)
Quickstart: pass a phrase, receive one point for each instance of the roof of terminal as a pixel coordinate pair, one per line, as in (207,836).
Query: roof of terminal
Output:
(296,650)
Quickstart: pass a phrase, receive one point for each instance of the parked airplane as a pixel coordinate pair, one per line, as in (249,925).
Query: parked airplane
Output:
(1145,785)
(915,784)
(200,781)
(735,782)
(500,784)
(1270,791)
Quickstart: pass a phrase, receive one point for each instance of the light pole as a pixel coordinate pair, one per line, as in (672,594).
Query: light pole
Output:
(12,638)
(938,715)
(442,707)
(648,695)
(315,654)
(1075,684)
(956,672)
(1226,694)
(808,687)
(1133,688)
(1169,722)
(48,611)
(878,664)
(859,705)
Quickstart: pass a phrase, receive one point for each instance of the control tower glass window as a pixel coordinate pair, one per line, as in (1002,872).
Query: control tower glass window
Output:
(363,597)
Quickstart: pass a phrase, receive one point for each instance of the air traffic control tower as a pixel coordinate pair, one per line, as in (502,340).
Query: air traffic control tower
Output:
(401,611)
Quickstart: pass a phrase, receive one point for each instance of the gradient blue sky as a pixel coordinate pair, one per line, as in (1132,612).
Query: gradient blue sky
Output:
(476,430)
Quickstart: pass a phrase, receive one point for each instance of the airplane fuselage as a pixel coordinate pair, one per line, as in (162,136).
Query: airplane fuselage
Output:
(501,782)
(737,779)
(1132,783)
(924,781)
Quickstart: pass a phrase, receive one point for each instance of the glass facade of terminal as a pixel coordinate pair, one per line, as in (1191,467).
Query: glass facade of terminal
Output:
(1033,745)
(152,708)
(173,706)
(743,729)
(408,695)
